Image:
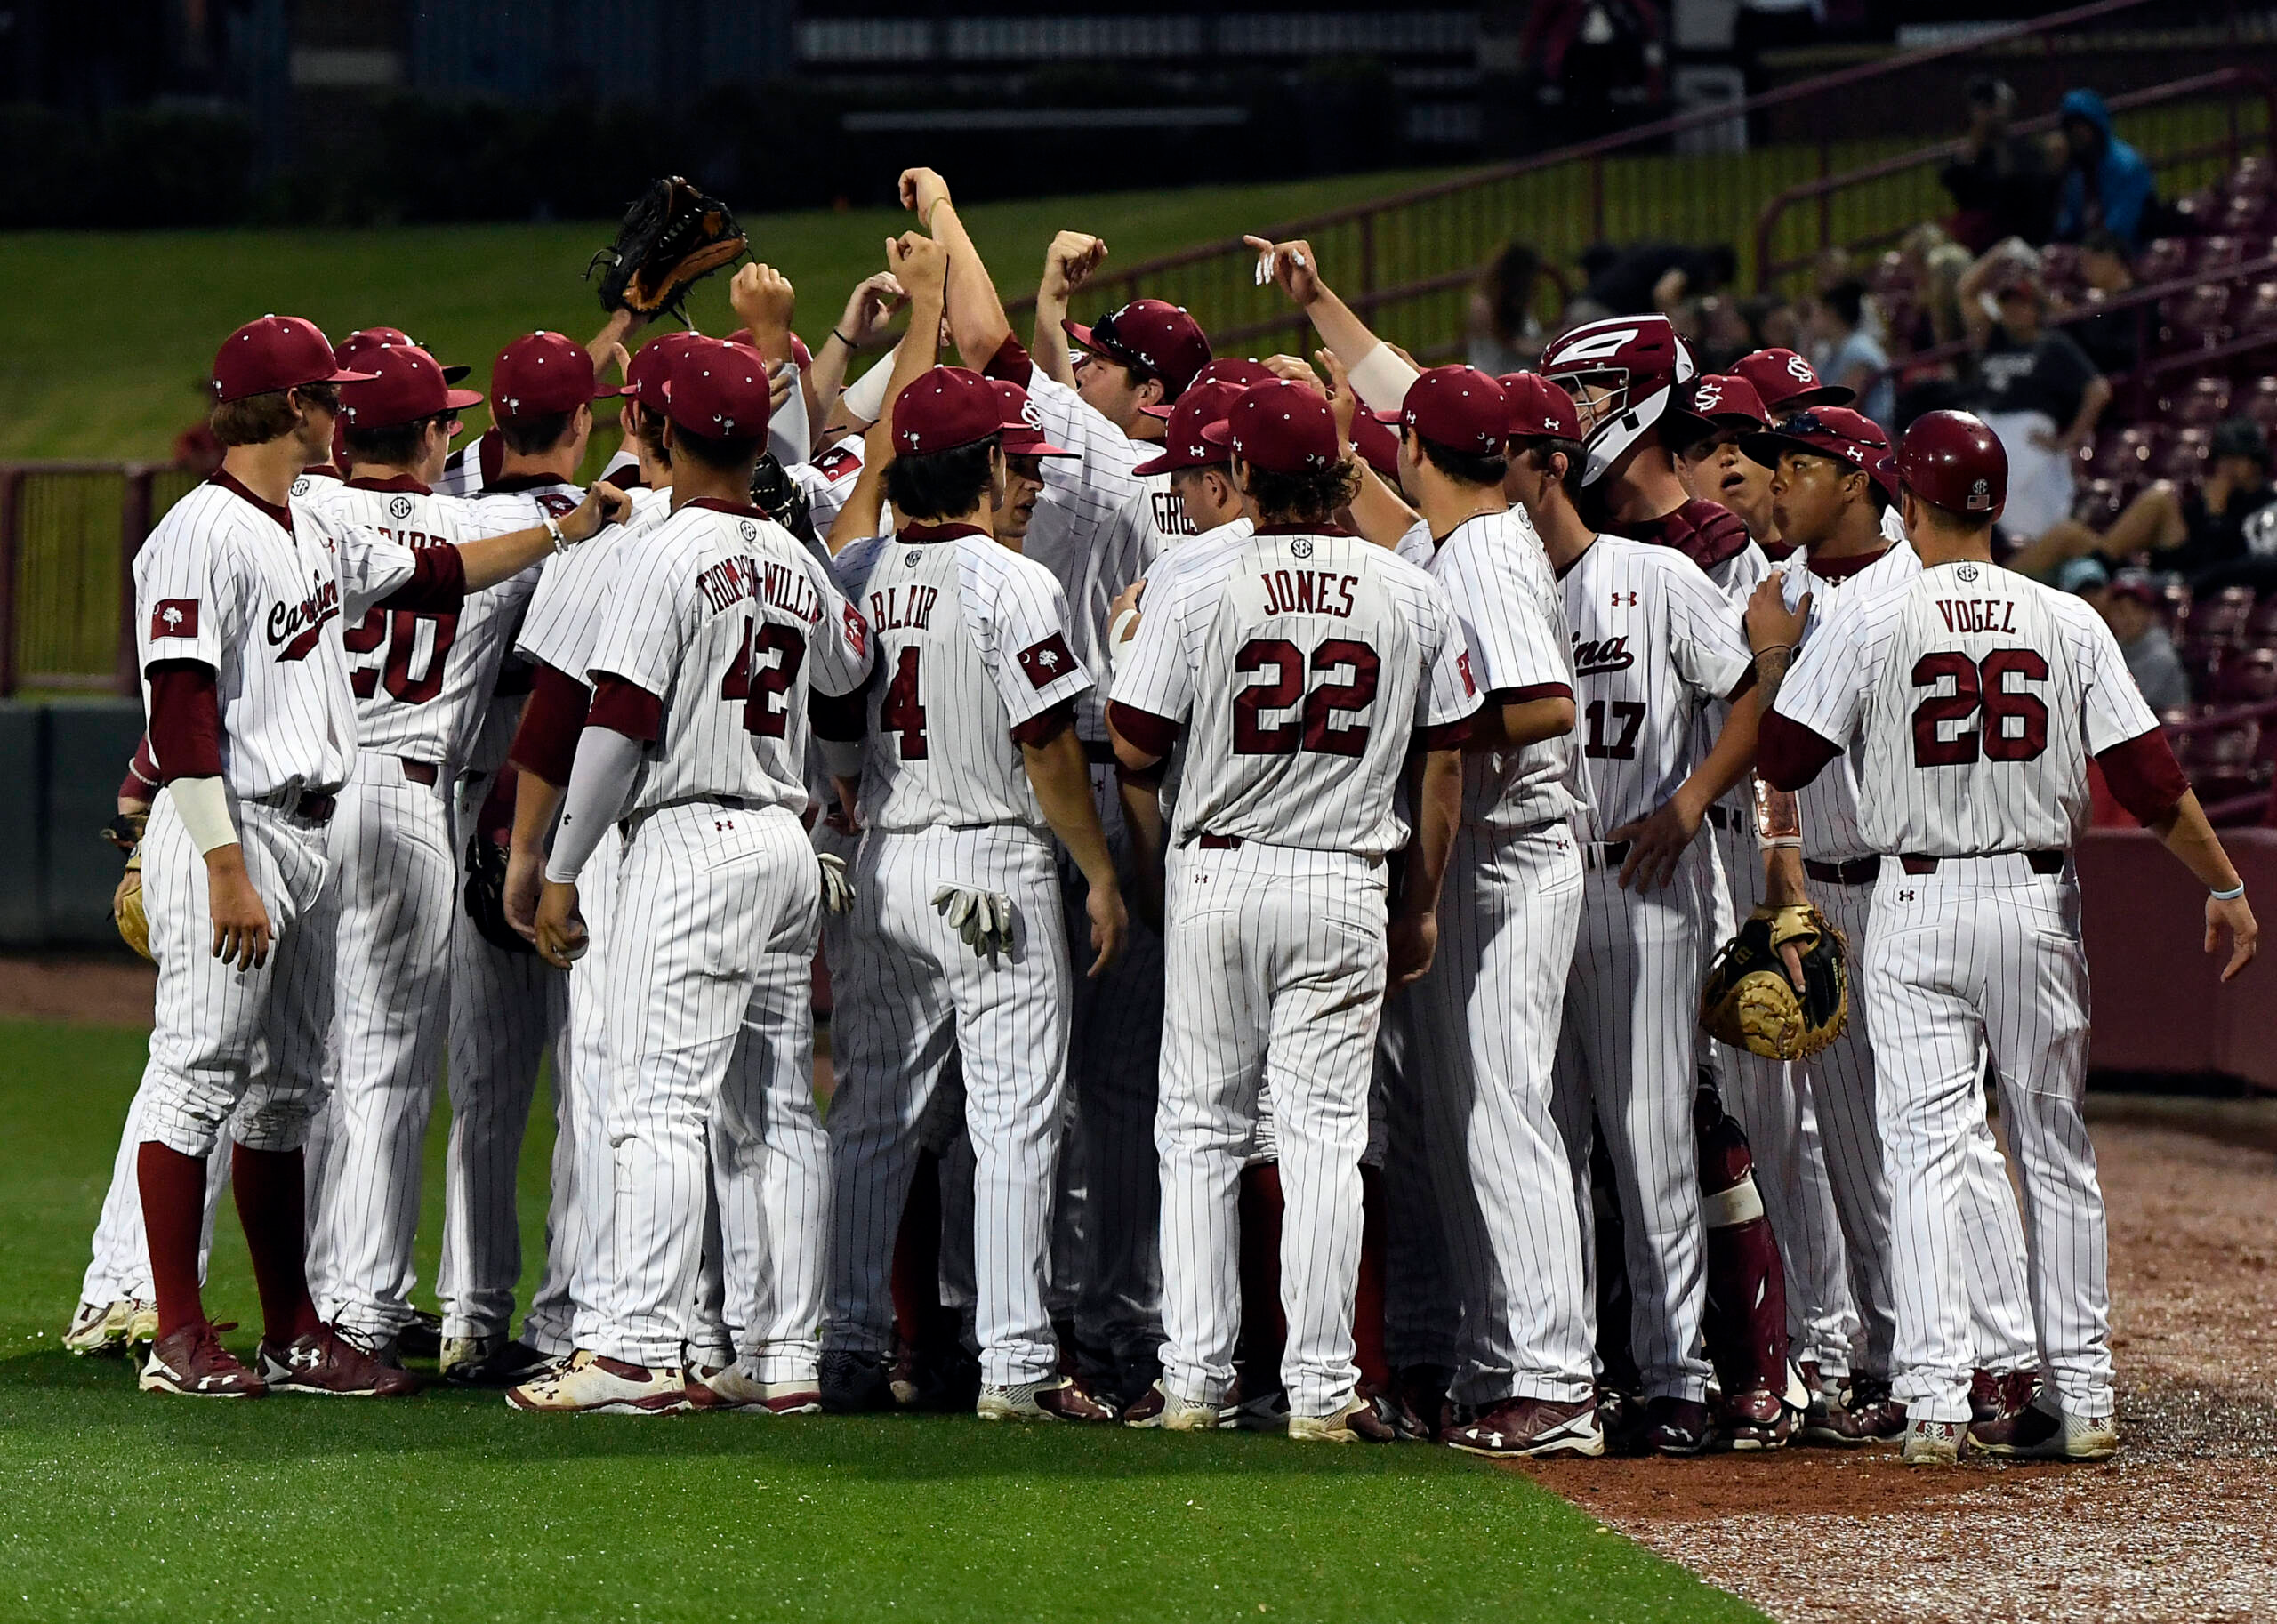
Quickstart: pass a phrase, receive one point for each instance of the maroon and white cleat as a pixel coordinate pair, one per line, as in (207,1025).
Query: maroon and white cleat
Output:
(191,1361)
(333,1363)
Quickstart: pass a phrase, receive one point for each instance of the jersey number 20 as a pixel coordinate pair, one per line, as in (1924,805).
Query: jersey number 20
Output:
(399,629)
(1314,729)
(1979,686)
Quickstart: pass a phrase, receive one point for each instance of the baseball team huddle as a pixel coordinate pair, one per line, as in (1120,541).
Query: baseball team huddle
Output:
(1266,823)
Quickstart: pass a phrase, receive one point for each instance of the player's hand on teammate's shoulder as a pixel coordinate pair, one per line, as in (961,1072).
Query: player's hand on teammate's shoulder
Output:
(1657,843)
(1770,623)
(2236,917)
(604,504)
(920,190)
(560,932)
(242,933)
(1292,265)
(1110,924)
(1070,262)
(1413,942)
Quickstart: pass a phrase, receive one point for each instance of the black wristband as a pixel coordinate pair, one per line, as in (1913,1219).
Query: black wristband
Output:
(842,339)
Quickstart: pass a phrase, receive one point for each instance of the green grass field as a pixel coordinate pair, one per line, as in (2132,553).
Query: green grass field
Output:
(119,368)
(447,1507)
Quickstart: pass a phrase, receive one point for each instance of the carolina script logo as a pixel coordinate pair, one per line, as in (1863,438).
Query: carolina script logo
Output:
(1592,658)
(293,628)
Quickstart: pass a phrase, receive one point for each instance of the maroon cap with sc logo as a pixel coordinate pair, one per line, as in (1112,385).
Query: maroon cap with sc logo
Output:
(1280,427)
(277,353)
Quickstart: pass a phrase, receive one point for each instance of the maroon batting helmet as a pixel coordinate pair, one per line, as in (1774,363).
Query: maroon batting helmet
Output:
(1638,361)
(1952,460)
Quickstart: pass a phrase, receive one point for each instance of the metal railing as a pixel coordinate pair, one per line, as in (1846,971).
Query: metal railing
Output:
(1910,187)
(1407,262)
(69,533)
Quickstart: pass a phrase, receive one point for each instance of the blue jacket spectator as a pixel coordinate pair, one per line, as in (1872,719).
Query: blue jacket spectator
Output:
(2107,182)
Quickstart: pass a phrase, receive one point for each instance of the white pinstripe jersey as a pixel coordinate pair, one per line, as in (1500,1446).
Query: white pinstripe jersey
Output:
(564,617)
(1077,531)
(1977,696)
(1513,619)
(1827,805)
(972,641)
(829,480)
(421,679)
(1357,650)
(725,617)
(1654,643)
(257,593)
(306,484)
(1736,577)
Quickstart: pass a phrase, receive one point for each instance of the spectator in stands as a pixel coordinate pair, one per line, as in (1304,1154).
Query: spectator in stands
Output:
(2035,388)
(1844,353)
(1505,336)
(2107,182)
(1648,276)
(2219,531)
(2112,338)
(2001,182)
(2129,605)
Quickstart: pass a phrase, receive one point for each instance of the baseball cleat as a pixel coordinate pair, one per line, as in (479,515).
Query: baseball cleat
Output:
(1753,1422)
(1870,1415)
(1059,1398)
(1161,1410)
(490,1361)
(1421,1390)
(592,1384)
(732,1387)
(334,1361)
(100,1328)
(854,1382)
(1521,1428)
(1935,1443)
(1269,1411)
(2042,1431)
(1355,1421)
(1676,1427)
(193,1364)
(1998,1398)
(1394,1413)
(422,1339)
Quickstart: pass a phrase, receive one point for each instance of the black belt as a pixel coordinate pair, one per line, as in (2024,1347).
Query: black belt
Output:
(2046,860)
(1858,871)
(307,808)
(421,771)
(1219,842)
(1603,853)
(1098,753)
(1723,817)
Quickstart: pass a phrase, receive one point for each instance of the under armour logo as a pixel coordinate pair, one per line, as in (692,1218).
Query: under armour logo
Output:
(1302,548)
(400,507)
(1905,897)
(1618,604)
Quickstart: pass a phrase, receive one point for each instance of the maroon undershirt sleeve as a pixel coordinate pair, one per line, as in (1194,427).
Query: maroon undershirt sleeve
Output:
(1045,725)
(1788,755)
(141,781)
(1010,363)
(1445,735)
(1151,733)
(626,708)
(545,743)
(2144,776)
(437,584)
(185,720)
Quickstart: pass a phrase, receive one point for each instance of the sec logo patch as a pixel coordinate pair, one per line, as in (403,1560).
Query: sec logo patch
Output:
(401,508)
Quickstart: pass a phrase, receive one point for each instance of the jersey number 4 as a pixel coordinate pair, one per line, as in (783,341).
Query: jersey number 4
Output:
(900,712)
(1314,729)
(760,682)
(1979,686)
(398,629)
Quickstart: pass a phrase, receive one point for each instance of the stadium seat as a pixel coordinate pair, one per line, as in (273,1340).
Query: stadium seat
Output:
(2184,460)
(2194,320)
(2225,762)
(2248,679)
(2260,312)
(2223,618)
(2059,266)
(2164,260)
(2261,625)
(2174,607)
(2210,256)
(2201,661)
(2251,178)
(2244,216)
(2099,502)
(2198,401)
(2127,454)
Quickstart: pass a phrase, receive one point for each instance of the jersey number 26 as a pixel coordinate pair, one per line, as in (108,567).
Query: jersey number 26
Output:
(1979,686)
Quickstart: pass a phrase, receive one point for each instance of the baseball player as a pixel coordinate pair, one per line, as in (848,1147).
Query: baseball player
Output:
(1785,385)
(420,681)
(1654,643)
(1972,697)
(1487,1015)
(1829,479)
(1100,525)
(718,625)
(1718,408)
(970,758)
(253,728)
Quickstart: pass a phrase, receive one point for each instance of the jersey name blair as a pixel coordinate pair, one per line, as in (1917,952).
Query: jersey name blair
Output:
(1309,592)
(903,607)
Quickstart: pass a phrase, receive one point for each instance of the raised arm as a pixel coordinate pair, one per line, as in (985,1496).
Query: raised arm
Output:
(976,318)
(1379,373)
(1067,264)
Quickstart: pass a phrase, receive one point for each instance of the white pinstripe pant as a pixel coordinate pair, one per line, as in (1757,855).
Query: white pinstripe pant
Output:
(1984,952)
(1780,1121)
(506,1009)
(910,996)
(1626,1052)
(713,936)
(120,1265)
(1840,1081)
(215,1024)
(396,876)
(1276,962)
(1486,1022)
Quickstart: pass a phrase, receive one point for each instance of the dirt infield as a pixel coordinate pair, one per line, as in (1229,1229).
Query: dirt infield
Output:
(2177,1527)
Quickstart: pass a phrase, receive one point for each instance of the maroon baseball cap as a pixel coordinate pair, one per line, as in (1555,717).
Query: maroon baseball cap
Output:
(366,338)
(945,408)
(405,385)
(1023,424)
(1185,442)
(1823,431)
(277,353)
(717,389)
(1712,402)
(652,366)
(1234,369)
(541,372)
(1540,410)
(1282,426)
(1785,383)
(1459,407)
(1378,445)
(1160,337)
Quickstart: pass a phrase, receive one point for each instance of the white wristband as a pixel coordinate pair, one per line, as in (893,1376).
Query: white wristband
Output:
(1115,638)
(203,805)
(865,398)
(1774,842)
(1381,379)
(2231,895)
(553,529)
